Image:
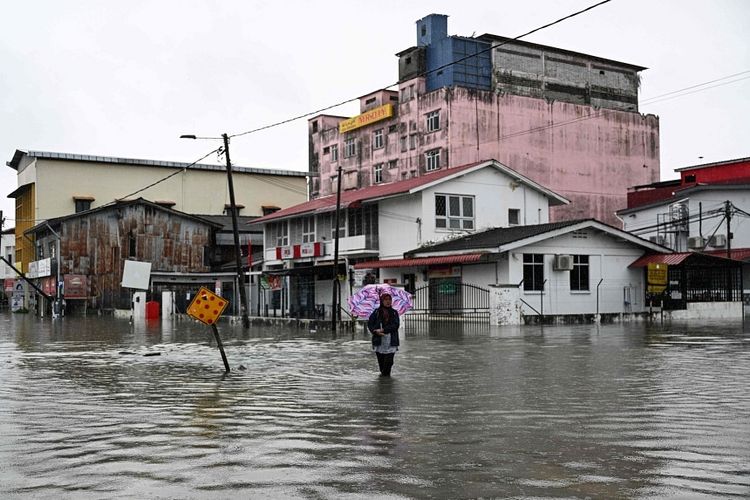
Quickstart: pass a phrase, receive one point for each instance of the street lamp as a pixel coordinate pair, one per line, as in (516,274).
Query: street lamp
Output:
(235,229)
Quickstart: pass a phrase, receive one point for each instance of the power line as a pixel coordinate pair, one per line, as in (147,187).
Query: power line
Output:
(182,170)
(696,86)
(298,117)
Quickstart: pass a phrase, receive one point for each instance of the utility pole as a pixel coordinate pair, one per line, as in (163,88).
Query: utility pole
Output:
(335,304)
(728,215)
(237,255)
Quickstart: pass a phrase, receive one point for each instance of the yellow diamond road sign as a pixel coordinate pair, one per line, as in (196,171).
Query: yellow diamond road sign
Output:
(206,307)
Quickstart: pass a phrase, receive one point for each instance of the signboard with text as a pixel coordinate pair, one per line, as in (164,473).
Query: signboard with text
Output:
(75,286)
(372,116)
(657,277)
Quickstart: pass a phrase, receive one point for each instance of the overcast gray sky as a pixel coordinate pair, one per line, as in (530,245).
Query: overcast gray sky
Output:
(126,78)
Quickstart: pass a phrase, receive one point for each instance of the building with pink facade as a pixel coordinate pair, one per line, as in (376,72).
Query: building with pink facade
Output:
(566,120)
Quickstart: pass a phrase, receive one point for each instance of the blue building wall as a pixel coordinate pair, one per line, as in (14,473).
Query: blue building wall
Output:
(441,50)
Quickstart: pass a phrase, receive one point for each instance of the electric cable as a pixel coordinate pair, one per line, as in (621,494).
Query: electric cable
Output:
(298,117)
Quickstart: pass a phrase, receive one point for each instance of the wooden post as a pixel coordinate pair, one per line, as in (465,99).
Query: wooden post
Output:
(221,347)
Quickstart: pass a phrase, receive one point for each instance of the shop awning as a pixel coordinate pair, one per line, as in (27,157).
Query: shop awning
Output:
(422,261)
(671,259)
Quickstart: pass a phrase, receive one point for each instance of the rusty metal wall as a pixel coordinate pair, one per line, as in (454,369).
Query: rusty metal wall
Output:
(97,245)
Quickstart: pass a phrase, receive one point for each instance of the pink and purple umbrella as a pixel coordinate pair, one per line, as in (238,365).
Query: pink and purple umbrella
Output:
(367,299)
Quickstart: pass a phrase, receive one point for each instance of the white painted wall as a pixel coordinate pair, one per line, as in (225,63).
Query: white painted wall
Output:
(398,229)
(608,260)
(494,193)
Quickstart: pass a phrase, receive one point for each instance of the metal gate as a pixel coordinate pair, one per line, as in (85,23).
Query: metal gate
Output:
(449,300)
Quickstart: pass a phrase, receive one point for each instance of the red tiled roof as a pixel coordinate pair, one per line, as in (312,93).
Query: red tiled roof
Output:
(423,261)
(351,198)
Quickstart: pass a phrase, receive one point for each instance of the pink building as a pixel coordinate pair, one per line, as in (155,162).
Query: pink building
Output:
(568,121)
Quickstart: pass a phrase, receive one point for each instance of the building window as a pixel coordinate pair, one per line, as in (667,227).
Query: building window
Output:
(308,229)
(342,225)
(454,212)
(432,160)
(82,203)
(393,164)
(315,126)
(514,215)
(335,152)
(269,209)
(282,234)
(378,173)
(533,272)
(378,141)
(350,147)
(579,275)
(433,121)
(412,141)
(403,143)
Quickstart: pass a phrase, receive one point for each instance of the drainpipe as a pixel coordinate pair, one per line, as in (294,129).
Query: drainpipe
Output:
(598,319)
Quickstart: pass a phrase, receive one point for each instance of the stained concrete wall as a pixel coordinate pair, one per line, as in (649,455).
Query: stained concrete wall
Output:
(591,156)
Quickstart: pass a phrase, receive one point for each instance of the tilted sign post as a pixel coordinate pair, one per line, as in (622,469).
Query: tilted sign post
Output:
(206,307)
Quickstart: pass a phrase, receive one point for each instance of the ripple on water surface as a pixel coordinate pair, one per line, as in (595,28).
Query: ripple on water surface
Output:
(93,407)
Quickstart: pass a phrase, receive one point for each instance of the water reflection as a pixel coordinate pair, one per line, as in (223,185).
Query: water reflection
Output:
(611,411)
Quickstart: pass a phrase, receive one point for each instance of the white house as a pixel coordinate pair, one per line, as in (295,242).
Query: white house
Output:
(579,267)
(383,221)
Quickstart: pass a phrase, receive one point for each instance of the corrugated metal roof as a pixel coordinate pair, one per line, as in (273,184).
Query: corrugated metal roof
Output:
(149,163)
(424,261)
(699,258)
(736,253)
(671,259)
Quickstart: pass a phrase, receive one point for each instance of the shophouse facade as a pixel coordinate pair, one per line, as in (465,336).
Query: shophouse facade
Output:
(566,120)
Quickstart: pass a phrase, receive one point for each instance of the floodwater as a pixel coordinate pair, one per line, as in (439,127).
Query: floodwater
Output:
(616,411)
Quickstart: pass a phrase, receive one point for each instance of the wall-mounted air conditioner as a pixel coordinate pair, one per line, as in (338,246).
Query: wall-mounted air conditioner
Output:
(563,263)
(718,241)
(658,239)
(696,242)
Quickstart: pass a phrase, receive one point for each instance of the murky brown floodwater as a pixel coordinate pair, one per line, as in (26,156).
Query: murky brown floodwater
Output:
(633,411)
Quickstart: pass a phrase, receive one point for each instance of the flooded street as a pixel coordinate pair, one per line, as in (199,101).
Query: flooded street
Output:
(616,411)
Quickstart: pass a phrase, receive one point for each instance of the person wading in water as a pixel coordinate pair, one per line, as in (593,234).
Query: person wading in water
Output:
(384,324)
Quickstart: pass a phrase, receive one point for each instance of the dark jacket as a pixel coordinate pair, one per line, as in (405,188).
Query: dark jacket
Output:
(391,326)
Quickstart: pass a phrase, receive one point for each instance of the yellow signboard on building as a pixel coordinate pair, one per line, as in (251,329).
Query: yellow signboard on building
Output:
(206,307)
(372,116)
(657,277)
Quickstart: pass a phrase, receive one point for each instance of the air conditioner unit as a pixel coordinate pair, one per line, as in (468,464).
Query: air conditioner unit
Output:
(563,263)
(696,242)
(658,239)
(718,241)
